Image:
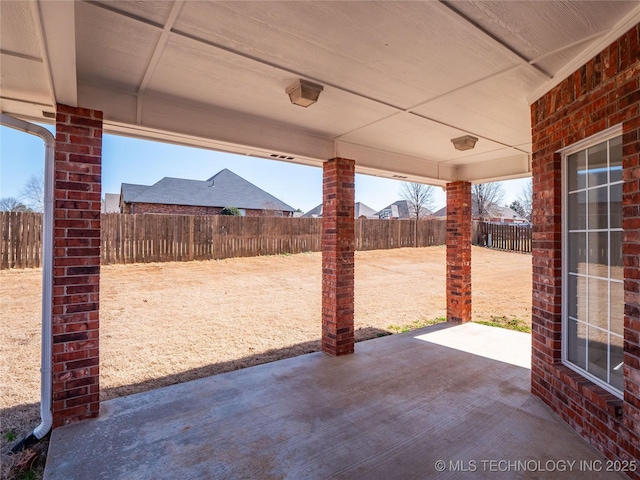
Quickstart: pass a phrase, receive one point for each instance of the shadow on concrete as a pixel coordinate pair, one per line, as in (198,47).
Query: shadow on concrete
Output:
(21,419)
(268,356)
(406,406)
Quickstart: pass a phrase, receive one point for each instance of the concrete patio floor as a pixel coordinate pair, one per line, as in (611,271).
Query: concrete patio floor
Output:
(393,410)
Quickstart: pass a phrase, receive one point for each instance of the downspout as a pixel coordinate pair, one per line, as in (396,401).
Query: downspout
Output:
(47,278)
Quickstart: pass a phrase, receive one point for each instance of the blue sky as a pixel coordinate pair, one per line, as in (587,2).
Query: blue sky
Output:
(127,160)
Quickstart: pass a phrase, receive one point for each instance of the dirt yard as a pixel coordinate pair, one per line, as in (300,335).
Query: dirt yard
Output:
(166,323)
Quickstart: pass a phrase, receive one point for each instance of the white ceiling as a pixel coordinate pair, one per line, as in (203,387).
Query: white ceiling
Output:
(401,79)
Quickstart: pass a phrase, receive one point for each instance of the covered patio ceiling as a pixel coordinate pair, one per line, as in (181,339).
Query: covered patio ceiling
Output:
(401,79)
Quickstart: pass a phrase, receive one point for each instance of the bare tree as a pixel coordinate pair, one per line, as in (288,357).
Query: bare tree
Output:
(484,196)
(525,197)
(12,204)
(419,198)
(33,192)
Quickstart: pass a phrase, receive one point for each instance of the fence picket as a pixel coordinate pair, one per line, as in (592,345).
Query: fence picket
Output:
(138,238)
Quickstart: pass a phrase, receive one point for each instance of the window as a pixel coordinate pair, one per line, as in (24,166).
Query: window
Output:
(593,281)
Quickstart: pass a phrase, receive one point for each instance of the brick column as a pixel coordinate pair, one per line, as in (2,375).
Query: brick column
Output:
(459,252)
(76,264)
(338,245)
(546,302)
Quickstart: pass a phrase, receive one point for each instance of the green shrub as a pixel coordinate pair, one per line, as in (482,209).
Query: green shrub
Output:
(230,211)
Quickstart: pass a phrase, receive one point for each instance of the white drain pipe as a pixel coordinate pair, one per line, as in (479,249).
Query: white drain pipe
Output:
(47,277)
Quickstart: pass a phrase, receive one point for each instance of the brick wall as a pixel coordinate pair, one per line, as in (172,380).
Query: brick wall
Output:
(459,252)
(76,264)
(338,245)
(603,93)
(192,210)
(170,209)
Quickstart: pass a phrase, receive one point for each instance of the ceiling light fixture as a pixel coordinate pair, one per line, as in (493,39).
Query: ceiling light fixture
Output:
(304,93)
(464,143)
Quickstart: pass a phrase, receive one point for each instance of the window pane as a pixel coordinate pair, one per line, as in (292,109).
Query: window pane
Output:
(598,302)
(615,362)
(577,253)
(594,289)
(577,170)
(598,209)
(577,339)
(598,257)
(617,307)
(597,165)
(577,213)
(598,353)
(615,159)
(615,254)
(615,207)
(572,297)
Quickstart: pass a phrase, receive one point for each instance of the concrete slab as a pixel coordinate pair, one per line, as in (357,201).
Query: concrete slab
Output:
(409,406)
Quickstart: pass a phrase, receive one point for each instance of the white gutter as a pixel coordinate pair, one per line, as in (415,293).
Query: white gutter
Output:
(47,276)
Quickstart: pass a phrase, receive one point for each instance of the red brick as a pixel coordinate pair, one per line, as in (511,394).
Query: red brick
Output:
(338,245)
(76,280)
(606,93)
(458,256)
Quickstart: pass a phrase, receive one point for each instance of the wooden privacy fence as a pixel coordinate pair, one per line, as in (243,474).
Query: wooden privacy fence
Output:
(21,237)
(503,236)
(374,234)
(164,238)
(168,238)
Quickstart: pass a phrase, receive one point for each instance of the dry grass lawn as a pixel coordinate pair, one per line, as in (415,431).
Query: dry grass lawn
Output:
(166,323)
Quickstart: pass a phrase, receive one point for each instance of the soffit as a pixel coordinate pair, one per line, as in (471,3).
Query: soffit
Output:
(400,78)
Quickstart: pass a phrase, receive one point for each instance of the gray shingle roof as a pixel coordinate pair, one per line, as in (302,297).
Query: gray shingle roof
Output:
(224,189)
(403,210)
(495,211)
(360,210)
(314,212)
(130,191)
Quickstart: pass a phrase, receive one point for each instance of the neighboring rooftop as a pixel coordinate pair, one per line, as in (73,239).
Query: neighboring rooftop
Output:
(401,209)
(361,210)
(223,189)
(496,212)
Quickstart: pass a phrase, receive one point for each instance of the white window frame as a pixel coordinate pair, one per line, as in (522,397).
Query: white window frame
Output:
(603,136)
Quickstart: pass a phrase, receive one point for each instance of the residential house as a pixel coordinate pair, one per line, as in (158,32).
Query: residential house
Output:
(111,203)
(497,214)
(202,197)
(402,210)
(360,210)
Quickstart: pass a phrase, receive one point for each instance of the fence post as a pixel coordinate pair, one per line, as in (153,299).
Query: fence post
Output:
(131,238)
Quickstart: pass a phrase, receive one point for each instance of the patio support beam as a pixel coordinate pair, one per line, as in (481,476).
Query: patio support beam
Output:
(76,264)
(338,245)
(458,241)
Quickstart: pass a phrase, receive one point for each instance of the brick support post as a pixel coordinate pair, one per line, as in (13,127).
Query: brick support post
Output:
(76,264)
(338,245)
(458,252)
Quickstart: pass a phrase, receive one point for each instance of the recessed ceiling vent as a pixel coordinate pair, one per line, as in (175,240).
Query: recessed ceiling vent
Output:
(399,176)
(281,157)
(46,114)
